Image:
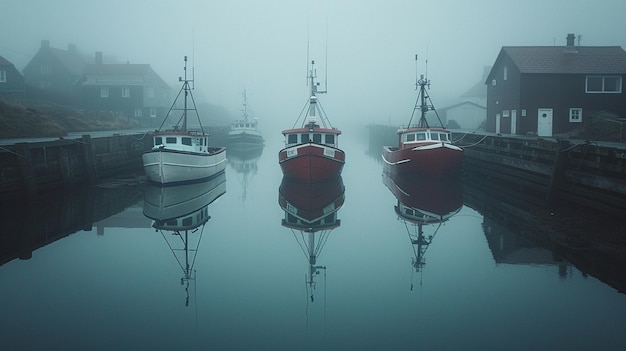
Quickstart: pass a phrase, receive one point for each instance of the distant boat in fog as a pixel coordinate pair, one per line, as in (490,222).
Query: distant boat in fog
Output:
(423,150)
(244,134)
(312,150)
(180,154)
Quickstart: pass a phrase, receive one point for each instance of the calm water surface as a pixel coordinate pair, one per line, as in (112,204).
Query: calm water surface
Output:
(246,282)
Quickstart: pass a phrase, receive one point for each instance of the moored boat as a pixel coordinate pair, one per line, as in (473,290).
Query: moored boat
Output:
(311,151)
(181,154)
(423,150)
(244,134)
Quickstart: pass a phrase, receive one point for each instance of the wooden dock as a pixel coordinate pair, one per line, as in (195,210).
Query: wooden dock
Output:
(31,169)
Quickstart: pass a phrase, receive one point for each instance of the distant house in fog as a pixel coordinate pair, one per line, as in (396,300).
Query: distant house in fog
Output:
(555,90)
(11,82)
(52,73)
(471,112)
(134,91)
(464,115)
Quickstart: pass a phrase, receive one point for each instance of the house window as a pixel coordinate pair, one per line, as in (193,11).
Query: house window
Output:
(603,84)
(3,76)
(44,69)
(138,112)
(125,92)
(152,112)
(505,75)
(493,82)
(523,113)
(150,92)
(505,113)
(576,115)
(104,92)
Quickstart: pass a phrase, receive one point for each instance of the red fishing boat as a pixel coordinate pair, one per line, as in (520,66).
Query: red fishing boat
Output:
(423,150)
(311,151)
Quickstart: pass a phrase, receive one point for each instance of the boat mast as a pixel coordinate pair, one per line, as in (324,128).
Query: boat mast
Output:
(186,88)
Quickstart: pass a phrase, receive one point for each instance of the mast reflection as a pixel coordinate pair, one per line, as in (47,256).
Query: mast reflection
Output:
(179,213)
(311,214)
(423,203)
(244,163)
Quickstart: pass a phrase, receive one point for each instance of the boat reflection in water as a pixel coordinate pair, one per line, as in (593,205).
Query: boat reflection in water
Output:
(180,213)
(244,163)
(424,203)
(311,214)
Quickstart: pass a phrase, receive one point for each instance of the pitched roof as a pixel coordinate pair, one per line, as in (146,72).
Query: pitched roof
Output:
(143,71)
(568,59)
(70,59)
(5,62)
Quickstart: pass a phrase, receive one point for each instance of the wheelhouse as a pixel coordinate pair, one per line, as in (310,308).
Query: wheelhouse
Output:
(183,142)
(416,136)
(319,136)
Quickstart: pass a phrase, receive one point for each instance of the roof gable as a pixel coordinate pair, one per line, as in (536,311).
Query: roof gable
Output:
(567,59)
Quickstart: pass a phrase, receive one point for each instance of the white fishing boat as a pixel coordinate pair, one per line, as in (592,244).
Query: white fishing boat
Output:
(244,134)
(181,154)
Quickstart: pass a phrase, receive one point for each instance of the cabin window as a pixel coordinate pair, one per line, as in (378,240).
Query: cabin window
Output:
(421,136)
(410,137)
(170,140)
(104,92)
(292,138)
(603,84)
(125,92)
(186,141)
(3,76)
(187,221)
(317,138)
(171,222)
(330,139)
(408,212)
(434,136)
(158,140)
(304,138)
(576,115)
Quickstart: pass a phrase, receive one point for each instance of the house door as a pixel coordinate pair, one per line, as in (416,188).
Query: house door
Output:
(544,122)
(497,123)
(513,121)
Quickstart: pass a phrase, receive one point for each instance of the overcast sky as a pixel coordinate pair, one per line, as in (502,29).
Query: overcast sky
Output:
(261,46)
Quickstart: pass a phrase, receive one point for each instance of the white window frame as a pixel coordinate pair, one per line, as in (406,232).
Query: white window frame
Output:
(104,92)
(125,92)
(523,113)
(603,89)
(3,76)
(493,82)
(153,112)
(138,112)
(505,113)
(576,115)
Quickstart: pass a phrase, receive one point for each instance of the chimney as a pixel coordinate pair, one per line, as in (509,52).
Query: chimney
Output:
(570,39)
(45,44)
(98,57)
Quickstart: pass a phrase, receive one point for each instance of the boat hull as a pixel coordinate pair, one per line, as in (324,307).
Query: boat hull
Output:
(435,160)
(311,162)
(245,141)
(165,166)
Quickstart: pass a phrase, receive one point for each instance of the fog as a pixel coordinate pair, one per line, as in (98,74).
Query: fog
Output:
(365,48)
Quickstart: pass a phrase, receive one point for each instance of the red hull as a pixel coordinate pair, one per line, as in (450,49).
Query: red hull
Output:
(311,201)
(438,161)
(438,198)
(311,162)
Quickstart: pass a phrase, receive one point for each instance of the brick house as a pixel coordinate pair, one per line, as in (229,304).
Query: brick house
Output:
(555,90)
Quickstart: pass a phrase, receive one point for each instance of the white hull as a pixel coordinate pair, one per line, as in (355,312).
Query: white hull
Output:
(168,167)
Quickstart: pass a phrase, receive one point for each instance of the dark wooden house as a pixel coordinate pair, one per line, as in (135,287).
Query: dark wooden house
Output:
(556,90)
(11,82)
(133,91)
(52,73)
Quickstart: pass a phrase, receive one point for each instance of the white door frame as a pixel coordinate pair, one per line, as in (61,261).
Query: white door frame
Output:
(544,122)
(513,122)
(498,123)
